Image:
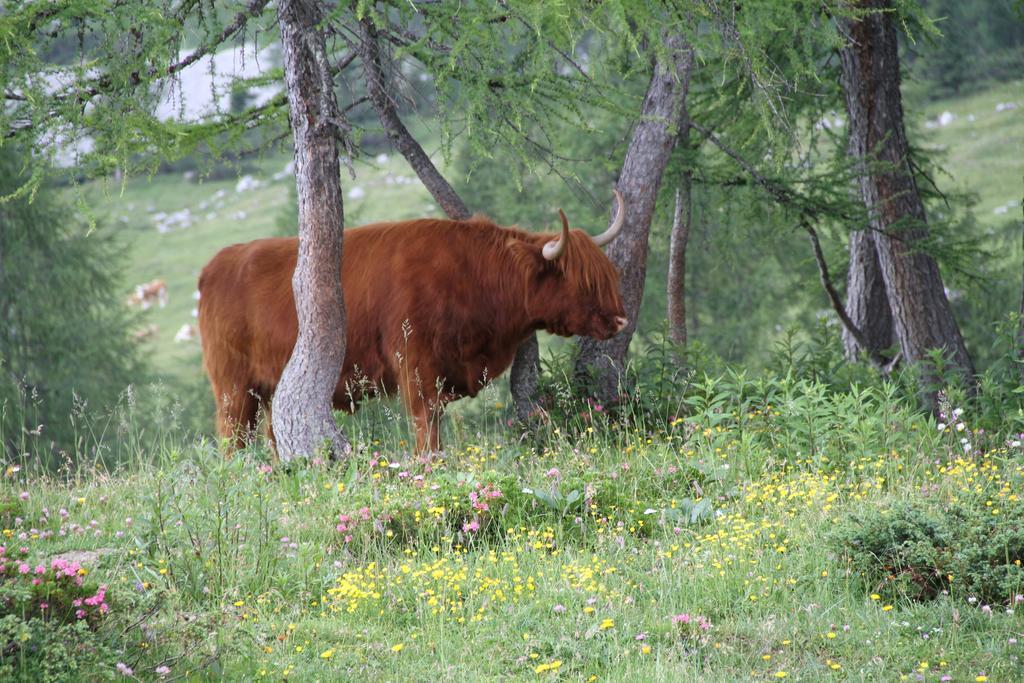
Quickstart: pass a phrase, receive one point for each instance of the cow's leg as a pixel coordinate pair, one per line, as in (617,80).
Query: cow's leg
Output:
(426,416)
(236,415)
(265,406)
(424,407)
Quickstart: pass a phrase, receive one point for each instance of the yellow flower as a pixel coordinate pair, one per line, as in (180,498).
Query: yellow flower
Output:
(981,678)
(887,608)
(646,649)
(876,596)
(397,648)
(607,624)
(541,668)
(831,635)
(781,674)
(327,654)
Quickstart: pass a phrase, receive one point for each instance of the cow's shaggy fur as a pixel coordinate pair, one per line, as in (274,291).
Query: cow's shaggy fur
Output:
(435,309)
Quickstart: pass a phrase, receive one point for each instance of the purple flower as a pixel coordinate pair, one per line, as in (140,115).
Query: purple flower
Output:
(124,669)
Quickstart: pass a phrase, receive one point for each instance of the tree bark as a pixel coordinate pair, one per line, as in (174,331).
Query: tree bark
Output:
(523,378)
(866,301)
(639,181)
(921,315)
(681,219)
(302,416)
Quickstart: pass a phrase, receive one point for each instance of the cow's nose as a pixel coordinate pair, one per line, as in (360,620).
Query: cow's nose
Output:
(620,323)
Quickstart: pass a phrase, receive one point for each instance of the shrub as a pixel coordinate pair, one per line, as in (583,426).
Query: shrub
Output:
(973,548)
(48,620)
(900,551)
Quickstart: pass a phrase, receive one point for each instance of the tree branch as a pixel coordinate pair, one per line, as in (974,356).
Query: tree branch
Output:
(808,213)
(833,296)
(253,9)
(399,135)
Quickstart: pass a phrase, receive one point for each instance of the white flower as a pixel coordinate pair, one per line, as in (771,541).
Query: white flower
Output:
(960,426)
(942,426)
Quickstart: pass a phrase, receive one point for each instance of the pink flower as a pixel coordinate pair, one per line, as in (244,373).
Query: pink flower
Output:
(24,495)
(472,526)
(44,605)
(681,619)
(559,609)
(553,473)
(23,568)
(124,669)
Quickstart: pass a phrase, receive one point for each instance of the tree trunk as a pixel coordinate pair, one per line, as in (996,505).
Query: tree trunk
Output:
(639,181)
(302,416)
(922,317)
(526,366)
(866,300)
(681,219)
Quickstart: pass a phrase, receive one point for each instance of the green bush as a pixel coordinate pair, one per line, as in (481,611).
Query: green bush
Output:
(972,549)
(49,616)
(900,551)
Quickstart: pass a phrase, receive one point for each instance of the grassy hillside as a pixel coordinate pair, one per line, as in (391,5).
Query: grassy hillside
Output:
(984,155)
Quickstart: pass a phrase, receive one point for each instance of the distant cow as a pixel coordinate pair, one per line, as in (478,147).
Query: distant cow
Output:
(186,332)
(147,293)
(435,309)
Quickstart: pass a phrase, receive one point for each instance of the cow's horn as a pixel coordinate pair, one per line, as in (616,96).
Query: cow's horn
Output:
(613,230)
(553,250)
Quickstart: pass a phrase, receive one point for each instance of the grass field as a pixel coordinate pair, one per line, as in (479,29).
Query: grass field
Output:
(697,549)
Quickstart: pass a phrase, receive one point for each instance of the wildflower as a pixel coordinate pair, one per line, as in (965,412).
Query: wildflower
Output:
(471,526)
(163,670)
(124,669)
(646,649)
(681,619)
(397,648)
(887,608)
(558,609)
(24,495)
(981,678)
(327,654)
(607,624)
(553,473)
(781,674)
(552,666)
